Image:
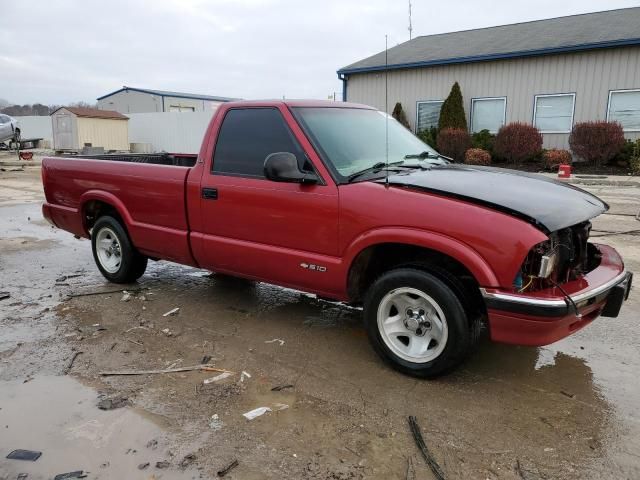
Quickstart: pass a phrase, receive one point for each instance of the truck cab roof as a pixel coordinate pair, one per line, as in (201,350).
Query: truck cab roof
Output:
(296,103)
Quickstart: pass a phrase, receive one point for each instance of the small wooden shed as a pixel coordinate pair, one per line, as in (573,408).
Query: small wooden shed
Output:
(76,127)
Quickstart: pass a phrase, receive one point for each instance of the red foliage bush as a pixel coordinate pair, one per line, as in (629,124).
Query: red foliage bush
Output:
(597,142)
(555,157)
(453,142)
(477,156)
(517,142)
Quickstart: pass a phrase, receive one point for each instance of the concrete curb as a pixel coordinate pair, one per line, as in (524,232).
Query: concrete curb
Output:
(605,182)
(5,163)
(14,162)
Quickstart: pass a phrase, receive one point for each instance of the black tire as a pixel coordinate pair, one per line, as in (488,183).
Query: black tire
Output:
(132,264)
(462,332)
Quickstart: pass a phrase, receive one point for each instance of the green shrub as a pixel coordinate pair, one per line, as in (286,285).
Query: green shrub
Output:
(477,156)
(484,140)
(624,155)
(634,160)
(452,112)
(399,115)
(453,142)
(429,137)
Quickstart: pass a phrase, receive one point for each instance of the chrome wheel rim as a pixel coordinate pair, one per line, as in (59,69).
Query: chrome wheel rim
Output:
(109,250)
(412,325)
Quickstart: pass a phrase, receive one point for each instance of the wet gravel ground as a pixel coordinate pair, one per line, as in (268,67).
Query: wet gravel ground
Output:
(567,411)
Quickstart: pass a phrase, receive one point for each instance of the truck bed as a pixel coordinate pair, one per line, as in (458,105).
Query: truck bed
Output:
(164,158)
(147,192)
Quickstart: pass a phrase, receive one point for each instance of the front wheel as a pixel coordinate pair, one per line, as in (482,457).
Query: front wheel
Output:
(116,258)
(417,323)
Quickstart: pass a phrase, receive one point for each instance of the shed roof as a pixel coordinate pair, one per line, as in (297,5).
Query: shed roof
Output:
(541,37)
(94,113)
(167,93)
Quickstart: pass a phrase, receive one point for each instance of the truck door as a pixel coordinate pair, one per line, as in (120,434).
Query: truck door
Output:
(284,233)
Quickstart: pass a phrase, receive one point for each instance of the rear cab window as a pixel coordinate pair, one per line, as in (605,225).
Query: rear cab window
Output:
(247,136)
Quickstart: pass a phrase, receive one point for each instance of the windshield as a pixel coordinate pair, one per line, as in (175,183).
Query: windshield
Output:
(353,139)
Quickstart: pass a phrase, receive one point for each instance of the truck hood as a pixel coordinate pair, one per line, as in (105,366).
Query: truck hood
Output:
(546,203)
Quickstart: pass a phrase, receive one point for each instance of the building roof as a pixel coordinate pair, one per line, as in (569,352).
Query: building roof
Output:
(166,93)
(541,37)
(94,113)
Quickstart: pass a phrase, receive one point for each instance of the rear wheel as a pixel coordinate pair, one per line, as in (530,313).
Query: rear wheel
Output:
(116,258)
(417,323)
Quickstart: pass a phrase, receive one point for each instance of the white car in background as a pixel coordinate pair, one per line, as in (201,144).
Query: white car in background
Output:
(9,128)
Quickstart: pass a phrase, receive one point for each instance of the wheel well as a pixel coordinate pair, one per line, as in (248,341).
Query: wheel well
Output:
(94,209)
(375,260)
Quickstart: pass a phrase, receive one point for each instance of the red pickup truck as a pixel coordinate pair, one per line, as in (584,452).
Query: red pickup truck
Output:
(339,200)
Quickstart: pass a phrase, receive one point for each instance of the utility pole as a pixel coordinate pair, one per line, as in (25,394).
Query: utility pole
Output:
(410,27)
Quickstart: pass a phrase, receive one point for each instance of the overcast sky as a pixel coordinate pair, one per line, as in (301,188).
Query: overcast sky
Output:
(59,51)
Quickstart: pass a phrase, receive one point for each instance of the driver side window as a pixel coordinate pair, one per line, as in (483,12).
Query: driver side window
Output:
(247,136)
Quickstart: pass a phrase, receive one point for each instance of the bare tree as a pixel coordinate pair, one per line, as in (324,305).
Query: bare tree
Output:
(37,109)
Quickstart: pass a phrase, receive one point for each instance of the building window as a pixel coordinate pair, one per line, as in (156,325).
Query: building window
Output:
(554,113)
(181,108)
(488,113)
(428,114)
(624,107)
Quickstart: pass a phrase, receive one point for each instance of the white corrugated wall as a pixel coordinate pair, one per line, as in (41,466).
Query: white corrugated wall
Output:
(176,132)
(36,127)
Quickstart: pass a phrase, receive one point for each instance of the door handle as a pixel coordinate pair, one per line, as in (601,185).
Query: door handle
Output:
(210,193)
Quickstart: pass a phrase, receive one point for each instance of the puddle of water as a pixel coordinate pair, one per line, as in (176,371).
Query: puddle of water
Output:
(58,416)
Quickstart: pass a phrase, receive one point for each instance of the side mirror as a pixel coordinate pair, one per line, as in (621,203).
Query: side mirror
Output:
(283,167)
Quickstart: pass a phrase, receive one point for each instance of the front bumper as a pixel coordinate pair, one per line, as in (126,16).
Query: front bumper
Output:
(549,315)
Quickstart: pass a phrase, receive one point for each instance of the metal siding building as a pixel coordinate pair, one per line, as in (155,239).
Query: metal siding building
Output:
(554,74)
(139,100)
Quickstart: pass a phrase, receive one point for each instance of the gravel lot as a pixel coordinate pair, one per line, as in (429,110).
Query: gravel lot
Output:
(567,411)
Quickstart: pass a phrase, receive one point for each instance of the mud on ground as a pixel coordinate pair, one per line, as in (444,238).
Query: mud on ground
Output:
(567,411)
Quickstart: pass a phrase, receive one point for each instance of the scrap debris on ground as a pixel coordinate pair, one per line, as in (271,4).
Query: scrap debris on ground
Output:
(71,362)
(28,455)
(279,388)
(217,378)
(256,412)
(112,403)
(223,471)
(428,456)
(204,368)
(70,475)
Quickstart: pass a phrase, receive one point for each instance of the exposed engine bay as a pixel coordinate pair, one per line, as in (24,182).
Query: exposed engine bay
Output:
(567,255)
